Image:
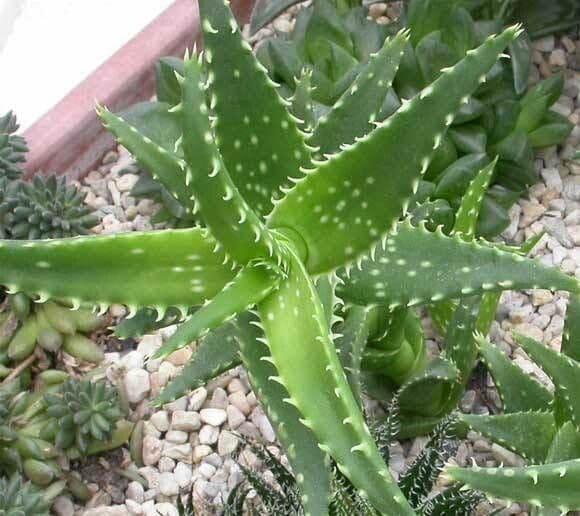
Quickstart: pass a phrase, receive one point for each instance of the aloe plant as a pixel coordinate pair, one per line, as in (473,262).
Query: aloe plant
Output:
(12,148)
(537,424)
(274,217)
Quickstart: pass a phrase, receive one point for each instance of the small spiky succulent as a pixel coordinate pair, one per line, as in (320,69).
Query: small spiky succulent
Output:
(13,148)
(84,412)
(18,498)
(274,219)
(45,208)
(416,483)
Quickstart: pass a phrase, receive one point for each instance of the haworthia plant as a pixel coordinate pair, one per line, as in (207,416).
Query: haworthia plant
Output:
(273,217)
(330,44)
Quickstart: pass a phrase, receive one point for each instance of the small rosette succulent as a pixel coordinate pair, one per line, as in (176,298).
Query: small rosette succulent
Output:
(83,412)
(46,208)
(18,498)
(13,148)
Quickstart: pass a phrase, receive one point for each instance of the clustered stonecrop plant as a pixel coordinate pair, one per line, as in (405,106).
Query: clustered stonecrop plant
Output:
(273,220)
(59,417)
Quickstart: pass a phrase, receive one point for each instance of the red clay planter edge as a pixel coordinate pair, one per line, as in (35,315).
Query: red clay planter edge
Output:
(69,139)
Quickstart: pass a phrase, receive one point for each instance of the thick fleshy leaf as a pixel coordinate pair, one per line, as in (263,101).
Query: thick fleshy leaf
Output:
(571,337)
(224,210)
(426,393)
(162,163)
(550,485)
(469,209)
(517,390)
(354,113)
(308,367)
(252,284)
(528,434)
(362,207)
(180,267)
(562,370)
(260,143)
(418,267)
(310,464)
(217,353)
(350,345)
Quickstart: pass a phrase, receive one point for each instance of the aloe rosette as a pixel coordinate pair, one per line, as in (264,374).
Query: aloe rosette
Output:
(273,218)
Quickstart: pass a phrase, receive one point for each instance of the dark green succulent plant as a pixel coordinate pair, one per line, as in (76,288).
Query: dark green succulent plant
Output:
(13,148)
(318,61)
(18,498)
(21,450)
(45,208)
(83,412)
(274,217)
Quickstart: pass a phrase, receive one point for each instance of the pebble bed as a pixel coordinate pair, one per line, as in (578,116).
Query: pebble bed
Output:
(188,444)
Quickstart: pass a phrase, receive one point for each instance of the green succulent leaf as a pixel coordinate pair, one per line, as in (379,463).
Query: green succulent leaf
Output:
(562,370)
(180,268)
(372,199)
(252,284)
(350,346)
(225,212)
(528,434)
(302,103)
(261,156)
(354,113)
(418,267)
(309,368)
(427,392)
(571,337)
(153,149)
(215,354)
(518,391)
(549,485)
(310,464)
(467,215)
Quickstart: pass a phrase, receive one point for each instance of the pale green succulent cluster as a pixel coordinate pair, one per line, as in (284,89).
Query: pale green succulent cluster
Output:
(282,233)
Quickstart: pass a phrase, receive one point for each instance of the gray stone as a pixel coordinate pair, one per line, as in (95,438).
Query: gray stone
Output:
(176,436)
(151,450)
(160,420)
(63,506)
(208,434)
(227,443)
(179,452)
(197,398)
(185,421)
(137,385)
(117,510)
(135,491)
(167,484)
(213,416)
(166,509)
(183,475)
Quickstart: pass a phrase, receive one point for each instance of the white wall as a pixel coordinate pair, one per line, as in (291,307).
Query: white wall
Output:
(54,44)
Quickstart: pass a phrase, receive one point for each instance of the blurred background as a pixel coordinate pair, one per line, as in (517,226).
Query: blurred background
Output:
(48,46)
